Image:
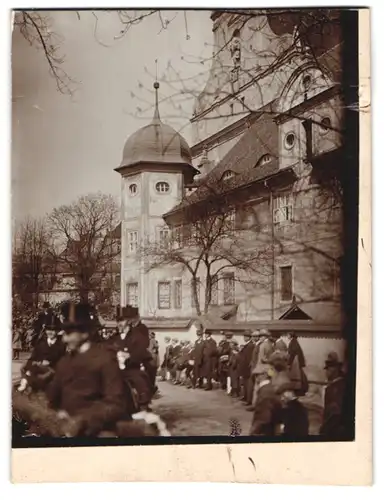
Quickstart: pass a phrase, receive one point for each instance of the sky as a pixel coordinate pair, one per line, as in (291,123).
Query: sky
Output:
(66,146)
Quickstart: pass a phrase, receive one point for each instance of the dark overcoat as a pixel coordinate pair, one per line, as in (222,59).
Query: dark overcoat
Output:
(89,385)
(209,358)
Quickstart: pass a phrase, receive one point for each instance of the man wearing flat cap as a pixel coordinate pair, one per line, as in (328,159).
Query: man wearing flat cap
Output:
(333,426)
(87,389)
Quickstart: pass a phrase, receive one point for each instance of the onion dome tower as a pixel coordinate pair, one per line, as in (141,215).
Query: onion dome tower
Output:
(156,165)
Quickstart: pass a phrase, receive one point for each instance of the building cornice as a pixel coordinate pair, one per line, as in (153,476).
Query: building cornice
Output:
(225,134)
(280,60)
(308,104)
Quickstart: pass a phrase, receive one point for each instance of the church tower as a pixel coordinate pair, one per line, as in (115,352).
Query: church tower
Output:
(155,167)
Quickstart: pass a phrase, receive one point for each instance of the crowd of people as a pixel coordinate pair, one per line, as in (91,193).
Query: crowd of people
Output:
(91,382)
(264,372)
(93,379)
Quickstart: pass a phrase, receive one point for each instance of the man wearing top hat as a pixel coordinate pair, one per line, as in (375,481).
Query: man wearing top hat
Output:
(224,351)
(43,318)
(198,358)
(47,352)
(131,346)
(87,389)
(333,426)
(245,357)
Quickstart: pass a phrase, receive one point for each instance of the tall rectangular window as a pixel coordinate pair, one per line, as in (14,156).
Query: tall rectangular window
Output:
(215,292)
(231,220)
(164,294)
(132,241)
(283,209)
(198,286)
(133,294)
(163,235)
(286,283)
(178,294)
(229,289)
(177,235)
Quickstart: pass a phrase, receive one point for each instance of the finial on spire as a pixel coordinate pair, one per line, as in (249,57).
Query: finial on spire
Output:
(156,85)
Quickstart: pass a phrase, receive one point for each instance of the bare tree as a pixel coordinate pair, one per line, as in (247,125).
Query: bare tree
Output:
(84,232)
(37,27)
(34,260)
(209,244)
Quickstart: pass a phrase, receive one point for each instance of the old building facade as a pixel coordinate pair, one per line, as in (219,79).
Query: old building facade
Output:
(268,147)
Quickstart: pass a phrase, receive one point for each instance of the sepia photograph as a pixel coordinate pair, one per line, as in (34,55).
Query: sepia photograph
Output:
(185,226)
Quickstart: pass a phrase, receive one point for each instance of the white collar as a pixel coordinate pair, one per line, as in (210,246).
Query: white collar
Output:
(51,341)
(264,382)
(84,347)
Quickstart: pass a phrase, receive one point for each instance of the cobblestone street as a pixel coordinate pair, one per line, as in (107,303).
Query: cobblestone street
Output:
(195,412)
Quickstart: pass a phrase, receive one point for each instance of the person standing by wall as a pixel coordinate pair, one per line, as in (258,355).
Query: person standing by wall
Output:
(333,425)
(296,365)
(245,357)
(198,359)
(209,359)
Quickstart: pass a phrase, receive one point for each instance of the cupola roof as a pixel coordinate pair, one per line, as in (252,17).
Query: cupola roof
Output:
(156,143)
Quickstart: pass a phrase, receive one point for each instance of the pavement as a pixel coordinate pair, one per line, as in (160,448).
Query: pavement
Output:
(195,412)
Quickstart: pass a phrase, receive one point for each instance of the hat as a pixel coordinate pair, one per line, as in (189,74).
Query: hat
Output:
(78,315)
(332,361)
(264,333)
(53,323)
(127,312)
(175,340)
(247,333)
(256,333)
(46,304)
(167,339)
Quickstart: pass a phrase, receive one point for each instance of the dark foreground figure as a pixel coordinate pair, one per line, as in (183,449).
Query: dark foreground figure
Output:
(87,395)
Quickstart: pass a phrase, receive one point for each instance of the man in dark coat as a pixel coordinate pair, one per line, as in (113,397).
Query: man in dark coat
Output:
(43,318)
(198,358)
(296,365)
(245,357)
(234,370)
(48,351)
(131,346)
(224,351)
(209,360)
(268,409)
(333,425)
(87,389)
(166,364)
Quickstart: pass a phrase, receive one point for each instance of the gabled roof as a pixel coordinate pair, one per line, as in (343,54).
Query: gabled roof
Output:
(294,312)
(260,139)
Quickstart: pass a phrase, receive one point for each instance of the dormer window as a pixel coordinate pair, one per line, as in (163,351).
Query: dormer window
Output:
(227,175)
(263,160)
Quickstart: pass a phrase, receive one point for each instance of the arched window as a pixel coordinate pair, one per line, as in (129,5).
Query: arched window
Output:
(267,158)
(132,189)
(228,174)
(162,187)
